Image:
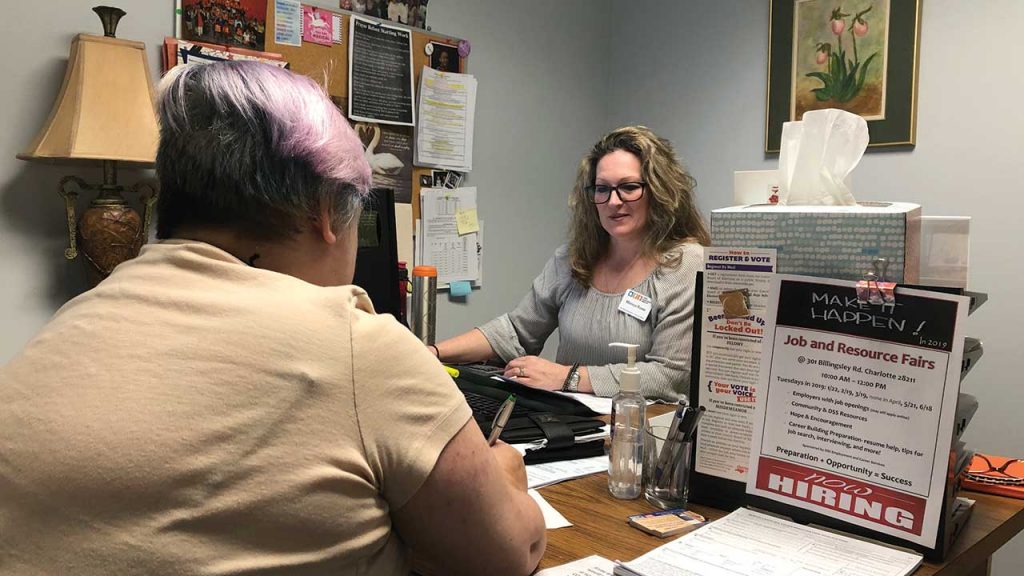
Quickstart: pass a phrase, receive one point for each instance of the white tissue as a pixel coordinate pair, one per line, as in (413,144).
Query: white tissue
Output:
(816,156)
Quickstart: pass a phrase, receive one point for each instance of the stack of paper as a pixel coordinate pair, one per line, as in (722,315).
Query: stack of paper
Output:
(750,543)
(449,234)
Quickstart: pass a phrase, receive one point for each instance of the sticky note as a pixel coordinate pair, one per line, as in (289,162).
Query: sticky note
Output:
(459,288)
(466,221)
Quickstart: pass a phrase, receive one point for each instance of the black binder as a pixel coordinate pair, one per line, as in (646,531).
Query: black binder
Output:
(539,414)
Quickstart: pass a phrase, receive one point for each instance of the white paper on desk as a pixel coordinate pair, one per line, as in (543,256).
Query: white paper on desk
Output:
(748,542)
(590,566)
(552,518)
(444,138)
(540,475)
(454,256)
(603,432)
(598,404)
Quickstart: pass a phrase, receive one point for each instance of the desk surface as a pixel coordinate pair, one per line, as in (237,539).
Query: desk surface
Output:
(599,527)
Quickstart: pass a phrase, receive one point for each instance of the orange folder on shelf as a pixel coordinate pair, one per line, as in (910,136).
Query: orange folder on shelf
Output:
(995,475)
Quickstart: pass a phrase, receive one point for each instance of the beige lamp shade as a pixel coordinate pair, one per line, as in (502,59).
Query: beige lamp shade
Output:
(105,107)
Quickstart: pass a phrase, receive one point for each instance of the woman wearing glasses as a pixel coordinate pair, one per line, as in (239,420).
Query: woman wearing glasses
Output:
(626,275)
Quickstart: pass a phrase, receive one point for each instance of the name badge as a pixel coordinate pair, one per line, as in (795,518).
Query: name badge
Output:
(636,305)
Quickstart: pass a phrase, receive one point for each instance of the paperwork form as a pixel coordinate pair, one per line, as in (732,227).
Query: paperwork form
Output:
(540,475)
(444,138)
(747,542)
(598,404)
(552,518)
(589,566)
(454,255)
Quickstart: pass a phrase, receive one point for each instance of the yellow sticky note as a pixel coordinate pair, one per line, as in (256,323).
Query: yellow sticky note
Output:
(467,222)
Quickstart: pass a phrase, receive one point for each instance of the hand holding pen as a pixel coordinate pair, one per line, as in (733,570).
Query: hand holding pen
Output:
(501,419)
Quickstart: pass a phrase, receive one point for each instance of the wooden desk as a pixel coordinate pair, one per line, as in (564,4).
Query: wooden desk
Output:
(599,527)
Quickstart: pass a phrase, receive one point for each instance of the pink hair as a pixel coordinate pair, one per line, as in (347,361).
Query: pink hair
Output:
(301,120)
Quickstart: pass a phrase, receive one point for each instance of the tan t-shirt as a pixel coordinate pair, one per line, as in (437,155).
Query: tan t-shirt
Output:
(194,415)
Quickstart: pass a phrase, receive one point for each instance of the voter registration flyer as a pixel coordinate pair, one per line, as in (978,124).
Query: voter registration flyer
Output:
(734,300)
(858,404)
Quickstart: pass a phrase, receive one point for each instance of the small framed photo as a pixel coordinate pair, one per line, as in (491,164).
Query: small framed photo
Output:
(445,58)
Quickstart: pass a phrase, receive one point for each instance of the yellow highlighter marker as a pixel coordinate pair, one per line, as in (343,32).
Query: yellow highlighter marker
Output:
(452,371)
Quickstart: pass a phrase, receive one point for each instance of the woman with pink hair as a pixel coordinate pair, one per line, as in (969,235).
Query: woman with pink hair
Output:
(226,402)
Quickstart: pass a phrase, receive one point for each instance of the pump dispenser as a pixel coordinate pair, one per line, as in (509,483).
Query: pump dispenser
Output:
(628,417)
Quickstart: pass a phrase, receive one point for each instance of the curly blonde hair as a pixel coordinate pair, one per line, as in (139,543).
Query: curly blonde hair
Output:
(672,219)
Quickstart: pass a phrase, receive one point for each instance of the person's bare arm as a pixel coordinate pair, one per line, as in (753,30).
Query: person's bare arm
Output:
(469,346)
(473,515)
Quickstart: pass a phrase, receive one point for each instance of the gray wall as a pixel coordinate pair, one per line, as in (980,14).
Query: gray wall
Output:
(553,77)
(697,75)
(36,280)
(542,69)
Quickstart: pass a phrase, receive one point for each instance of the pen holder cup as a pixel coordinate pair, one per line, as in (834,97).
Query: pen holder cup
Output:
(667,463)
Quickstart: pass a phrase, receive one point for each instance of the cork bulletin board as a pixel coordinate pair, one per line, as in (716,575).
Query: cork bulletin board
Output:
(328,65)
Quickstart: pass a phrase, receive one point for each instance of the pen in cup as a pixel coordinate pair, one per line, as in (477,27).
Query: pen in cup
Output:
(692,427)
(501,419)
(678,439)
(666,448)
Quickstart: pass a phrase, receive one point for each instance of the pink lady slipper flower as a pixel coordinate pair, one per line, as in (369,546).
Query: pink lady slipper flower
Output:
(824,49)
(860,25)
(860,28)
(838,24)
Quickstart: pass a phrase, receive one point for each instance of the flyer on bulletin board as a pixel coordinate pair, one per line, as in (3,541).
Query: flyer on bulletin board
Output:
(317,26)
(858,403)
(380,76)
(735,300)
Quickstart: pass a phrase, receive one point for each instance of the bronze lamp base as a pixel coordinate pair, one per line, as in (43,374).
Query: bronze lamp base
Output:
(110,231)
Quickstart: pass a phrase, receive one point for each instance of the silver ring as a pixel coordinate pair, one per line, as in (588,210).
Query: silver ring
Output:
(521,373)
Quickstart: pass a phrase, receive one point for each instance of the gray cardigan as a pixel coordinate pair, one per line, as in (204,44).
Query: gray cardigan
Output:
(588,319)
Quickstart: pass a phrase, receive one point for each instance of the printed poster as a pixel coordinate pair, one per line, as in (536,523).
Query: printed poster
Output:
(388,149)
(317,26)
(735,300)
(288,22)
(447,107)
(241,23)
(857,404)
(380,78)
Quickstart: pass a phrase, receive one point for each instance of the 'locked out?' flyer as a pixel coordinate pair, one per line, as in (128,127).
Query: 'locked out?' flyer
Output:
(858,404)
(735,297)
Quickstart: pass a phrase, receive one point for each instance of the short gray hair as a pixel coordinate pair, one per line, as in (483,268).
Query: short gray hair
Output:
(254,148)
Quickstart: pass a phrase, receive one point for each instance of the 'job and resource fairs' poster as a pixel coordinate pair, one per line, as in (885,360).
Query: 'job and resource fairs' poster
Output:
(858,404)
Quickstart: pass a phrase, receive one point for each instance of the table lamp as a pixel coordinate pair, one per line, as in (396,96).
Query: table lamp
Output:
(104,115)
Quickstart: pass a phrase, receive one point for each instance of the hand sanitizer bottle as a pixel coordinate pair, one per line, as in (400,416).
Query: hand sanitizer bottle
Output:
(625,463)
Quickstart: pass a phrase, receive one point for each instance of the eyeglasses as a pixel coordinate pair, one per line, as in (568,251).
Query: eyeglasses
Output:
(627,192)
(1008,473)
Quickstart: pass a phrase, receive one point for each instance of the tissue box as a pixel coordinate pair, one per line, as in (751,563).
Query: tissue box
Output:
(828,241)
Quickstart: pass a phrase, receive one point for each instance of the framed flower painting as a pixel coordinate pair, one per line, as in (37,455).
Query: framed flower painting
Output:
(856,55)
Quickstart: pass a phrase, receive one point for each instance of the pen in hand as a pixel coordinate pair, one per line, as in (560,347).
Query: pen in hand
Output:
(501,419)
